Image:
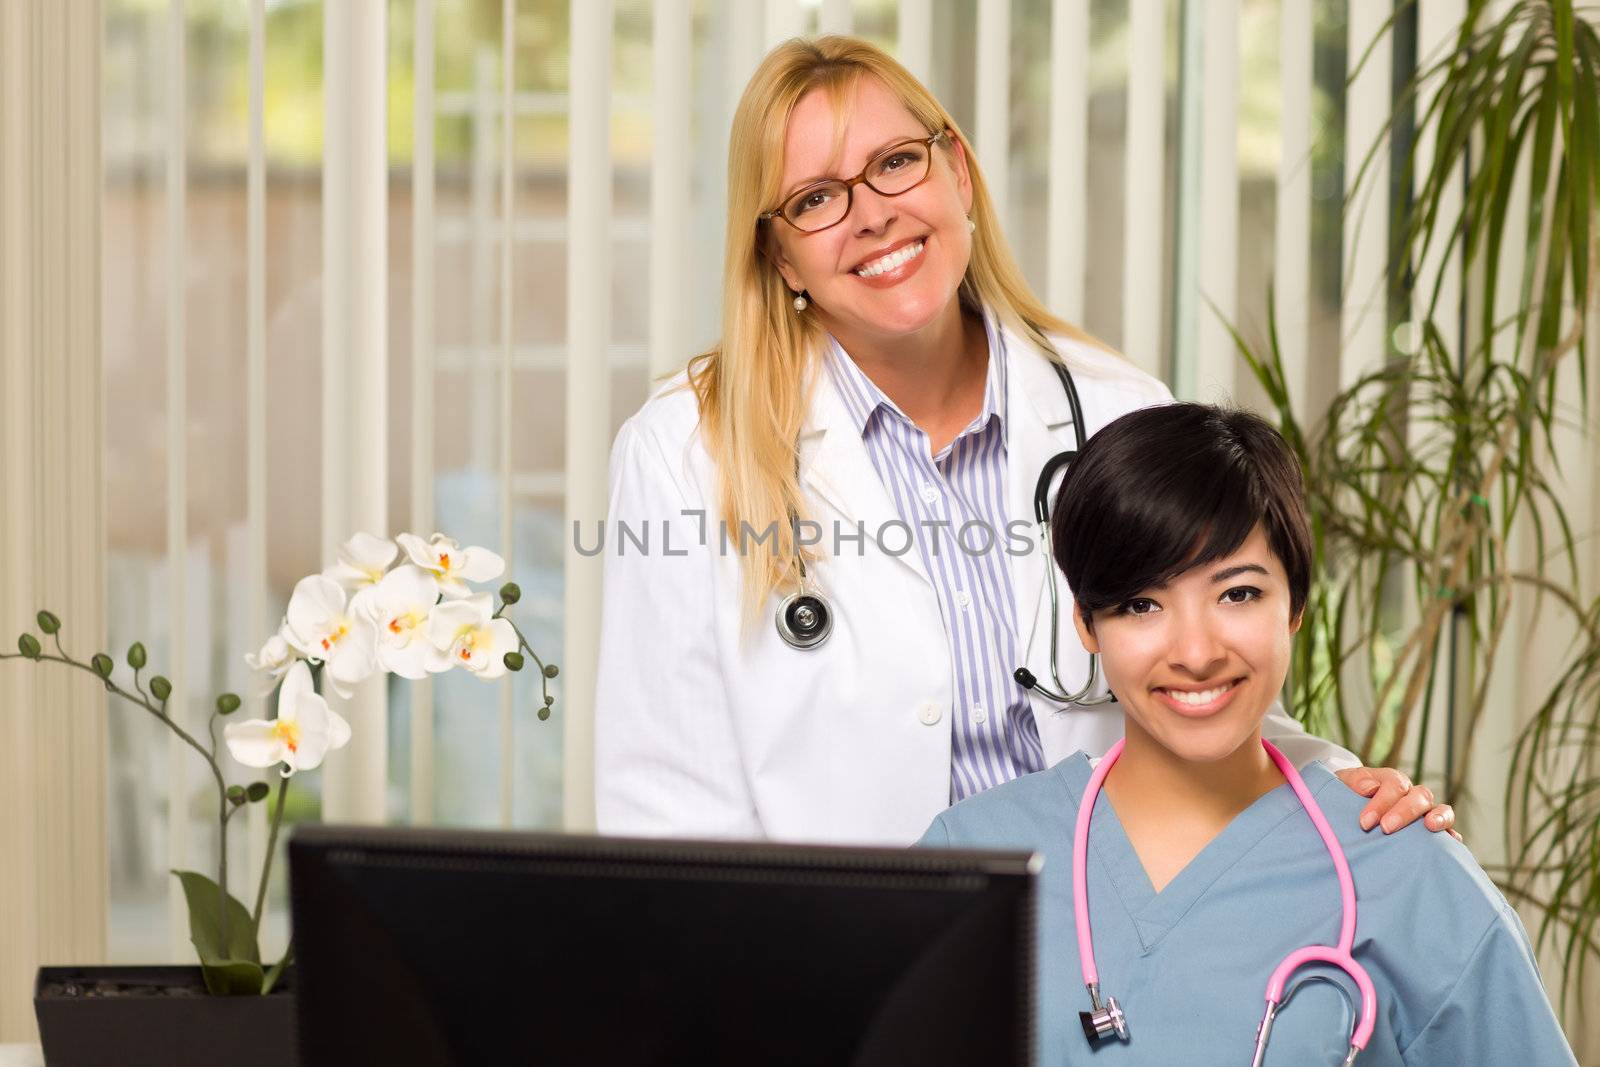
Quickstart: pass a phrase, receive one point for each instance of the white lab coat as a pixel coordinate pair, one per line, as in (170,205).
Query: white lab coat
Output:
(701,734)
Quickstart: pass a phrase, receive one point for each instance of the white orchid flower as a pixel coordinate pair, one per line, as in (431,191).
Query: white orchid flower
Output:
(362,562)
(274,658)
(468,635)
(399,607)
(321,627)
(304,732)
(451,564)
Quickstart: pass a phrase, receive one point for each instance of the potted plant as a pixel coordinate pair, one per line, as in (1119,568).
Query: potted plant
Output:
(364,615)
(1422,474)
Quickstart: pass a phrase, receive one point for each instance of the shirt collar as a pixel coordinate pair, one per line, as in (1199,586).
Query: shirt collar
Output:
(863,399)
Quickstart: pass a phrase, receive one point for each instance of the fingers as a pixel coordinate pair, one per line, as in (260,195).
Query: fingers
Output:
(1413,805)
(1442,817)
(1392,788)
(1360,780)
(1395,803)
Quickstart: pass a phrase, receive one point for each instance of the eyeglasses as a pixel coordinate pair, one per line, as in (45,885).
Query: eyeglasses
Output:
(897,169)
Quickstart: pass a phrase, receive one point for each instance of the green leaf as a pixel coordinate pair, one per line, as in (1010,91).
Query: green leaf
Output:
(227,703)
(102,664)
(257,791)
(48,622)
(509,593)
(232,978)
(205,923)
(160,688)
(277,969)
(28,645)
(136,658)
(513,661)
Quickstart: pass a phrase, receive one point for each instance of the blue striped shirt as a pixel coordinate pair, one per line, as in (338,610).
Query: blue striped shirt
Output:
(993,736)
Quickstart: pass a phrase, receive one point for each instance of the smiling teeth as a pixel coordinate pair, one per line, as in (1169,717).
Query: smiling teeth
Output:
(1205,696)
(890,261)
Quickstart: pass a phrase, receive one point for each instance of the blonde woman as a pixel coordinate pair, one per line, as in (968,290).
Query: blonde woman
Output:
(821,574)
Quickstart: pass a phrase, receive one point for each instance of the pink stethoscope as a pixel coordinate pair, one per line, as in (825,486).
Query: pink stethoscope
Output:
(1103,1020)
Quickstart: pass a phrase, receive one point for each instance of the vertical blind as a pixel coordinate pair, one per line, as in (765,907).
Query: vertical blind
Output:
(1182,175)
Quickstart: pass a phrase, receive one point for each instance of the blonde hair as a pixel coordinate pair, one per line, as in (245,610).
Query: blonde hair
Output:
(754,387)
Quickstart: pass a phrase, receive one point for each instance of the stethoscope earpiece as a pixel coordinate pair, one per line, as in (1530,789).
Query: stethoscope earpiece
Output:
(804,620)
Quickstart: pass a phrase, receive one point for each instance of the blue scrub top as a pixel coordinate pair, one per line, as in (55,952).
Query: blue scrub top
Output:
(1455,976)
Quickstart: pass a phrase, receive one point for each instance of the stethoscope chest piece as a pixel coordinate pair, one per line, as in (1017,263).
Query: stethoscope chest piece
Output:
(804,620)
(1103,1022)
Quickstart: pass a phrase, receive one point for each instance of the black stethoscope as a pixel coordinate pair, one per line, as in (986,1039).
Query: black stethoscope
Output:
(805,618)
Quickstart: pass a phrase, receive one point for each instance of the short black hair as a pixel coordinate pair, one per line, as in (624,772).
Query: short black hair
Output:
(1168,488)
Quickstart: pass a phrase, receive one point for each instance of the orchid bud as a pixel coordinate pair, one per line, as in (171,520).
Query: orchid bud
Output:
(551,670)
(257,791)
(227,704)
(509,593)
(160,688)
(136,658)
(48,622)
(513,661)
(102,664)
(28,645)
(236,795)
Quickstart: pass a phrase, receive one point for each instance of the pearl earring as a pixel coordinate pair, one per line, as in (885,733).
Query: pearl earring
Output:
(972,227)
(800,302)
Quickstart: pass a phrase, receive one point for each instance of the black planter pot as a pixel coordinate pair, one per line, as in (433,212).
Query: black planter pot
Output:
(160,1017)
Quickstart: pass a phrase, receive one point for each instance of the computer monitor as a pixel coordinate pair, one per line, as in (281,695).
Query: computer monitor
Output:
(469,947)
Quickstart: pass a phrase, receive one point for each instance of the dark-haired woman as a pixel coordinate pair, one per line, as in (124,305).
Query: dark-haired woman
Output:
(1202,868)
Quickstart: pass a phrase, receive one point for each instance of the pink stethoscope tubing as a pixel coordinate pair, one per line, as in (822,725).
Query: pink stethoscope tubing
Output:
(1339,956)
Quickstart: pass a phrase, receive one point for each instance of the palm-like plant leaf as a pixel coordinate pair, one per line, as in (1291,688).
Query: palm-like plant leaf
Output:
(1422,473)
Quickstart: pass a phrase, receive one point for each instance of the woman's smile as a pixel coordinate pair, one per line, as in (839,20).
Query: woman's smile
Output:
(1198,703)
(885,271)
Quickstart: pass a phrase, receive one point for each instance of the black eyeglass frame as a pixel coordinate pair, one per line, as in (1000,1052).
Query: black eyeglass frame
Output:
(851,183)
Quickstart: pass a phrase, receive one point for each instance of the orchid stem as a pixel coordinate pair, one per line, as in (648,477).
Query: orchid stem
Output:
(183,734)
(222,875)
(544,681)
(266,861)
(208,755)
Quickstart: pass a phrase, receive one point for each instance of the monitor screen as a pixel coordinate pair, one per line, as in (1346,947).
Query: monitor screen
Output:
(472,947)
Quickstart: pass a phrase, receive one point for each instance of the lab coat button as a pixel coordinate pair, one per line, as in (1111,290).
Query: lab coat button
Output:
(979,715)
(929,493)
(962,598)
(929,712)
